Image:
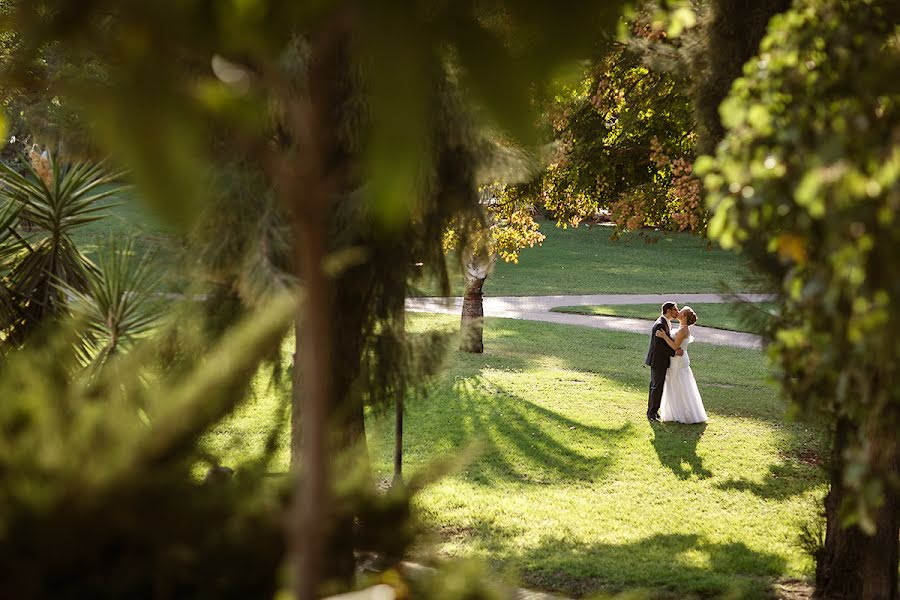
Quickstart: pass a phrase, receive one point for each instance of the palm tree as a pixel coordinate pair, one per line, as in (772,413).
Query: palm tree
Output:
(117,305)
(54,198)
(10,248)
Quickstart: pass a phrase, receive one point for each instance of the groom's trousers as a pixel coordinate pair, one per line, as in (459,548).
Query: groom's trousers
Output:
(657,381)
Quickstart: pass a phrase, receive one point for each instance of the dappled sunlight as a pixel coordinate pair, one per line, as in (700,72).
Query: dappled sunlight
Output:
(512,425)
(573,487)
(570,565)
(694,558)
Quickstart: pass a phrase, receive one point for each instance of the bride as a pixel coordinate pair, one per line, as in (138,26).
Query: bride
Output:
(681,399)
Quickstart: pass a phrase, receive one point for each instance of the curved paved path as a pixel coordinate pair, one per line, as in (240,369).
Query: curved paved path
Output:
(537,308)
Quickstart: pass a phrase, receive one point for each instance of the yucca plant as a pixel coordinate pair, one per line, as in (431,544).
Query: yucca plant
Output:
(54,198)
(11,247)
(117,304)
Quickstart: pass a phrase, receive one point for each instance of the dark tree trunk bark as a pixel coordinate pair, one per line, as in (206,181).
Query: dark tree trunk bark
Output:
(398,441)
(472,321)
(398,419)
(882,552)
(310,178)
(311,399)
(732,36)
(881,561)
(839,562)
(852,564)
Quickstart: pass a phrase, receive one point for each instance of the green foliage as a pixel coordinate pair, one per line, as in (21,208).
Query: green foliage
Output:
(10,246)
(505,227)
(806,183)
(117,306)
(98,497)
(158,121)
(626,144)
(241,240)
(52,200)
(728,37)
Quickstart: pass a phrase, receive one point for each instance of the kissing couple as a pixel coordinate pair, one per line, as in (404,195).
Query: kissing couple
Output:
(673,391)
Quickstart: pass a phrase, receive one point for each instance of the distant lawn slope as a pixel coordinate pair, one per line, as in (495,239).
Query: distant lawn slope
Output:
(127,217)
(573,488)
(124,216)
(720,316)
(586,261)
(571,261)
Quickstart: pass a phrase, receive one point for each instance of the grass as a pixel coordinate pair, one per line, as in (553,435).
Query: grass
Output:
(570,261)
(586,261)
(124,216)
(573,489)
(127,217)
(720,316)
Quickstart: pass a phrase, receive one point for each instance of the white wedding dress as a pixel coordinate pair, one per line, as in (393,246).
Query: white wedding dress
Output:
(681,399)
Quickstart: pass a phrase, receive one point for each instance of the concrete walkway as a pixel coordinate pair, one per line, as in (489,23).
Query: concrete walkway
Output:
(537,308)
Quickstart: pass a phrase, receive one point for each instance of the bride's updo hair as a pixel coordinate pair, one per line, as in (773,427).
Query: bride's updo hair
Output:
(690,314)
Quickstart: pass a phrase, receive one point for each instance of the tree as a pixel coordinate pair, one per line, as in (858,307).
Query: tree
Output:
(116,307)
(806,182)
(622,142)
(53,198)
(510,228)
(370,162)
(104,470)
(625,135)
(505,227)
(728,36)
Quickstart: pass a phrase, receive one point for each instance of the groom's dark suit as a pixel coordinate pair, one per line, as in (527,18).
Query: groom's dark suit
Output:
(658,357)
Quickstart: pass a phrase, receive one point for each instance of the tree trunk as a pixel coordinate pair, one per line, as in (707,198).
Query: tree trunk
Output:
(472,323)
(852,564)
(839,562)
(310,403)
(881,556)
(398,419)
(478,266)
(883,548)
(732,35)
(308,178)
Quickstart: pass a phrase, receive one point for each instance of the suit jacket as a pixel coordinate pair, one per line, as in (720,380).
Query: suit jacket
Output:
(660,353)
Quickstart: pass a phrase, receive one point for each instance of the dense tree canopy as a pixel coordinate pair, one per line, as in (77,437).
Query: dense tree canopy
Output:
(807,183)
(625,140)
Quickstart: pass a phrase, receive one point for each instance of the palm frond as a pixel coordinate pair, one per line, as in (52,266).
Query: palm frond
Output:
(53,198)
(117,304)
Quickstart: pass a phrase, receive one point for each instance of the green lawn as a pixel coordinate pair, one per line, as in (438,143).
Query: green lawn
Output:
(124,216)
(586,261)
(127,217)
(720,316)
(573,489)
(571,261)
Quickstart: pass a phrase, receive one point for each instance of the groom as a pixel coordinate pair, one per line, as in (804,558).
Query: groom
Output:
(658,357)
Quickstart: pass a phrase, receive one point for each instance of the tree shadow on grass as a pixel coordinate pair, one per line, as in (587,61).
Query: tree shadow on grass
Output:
(668,565)
(618,357)
(676,447)
(522,441)
(783,481)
